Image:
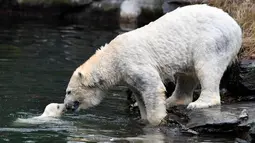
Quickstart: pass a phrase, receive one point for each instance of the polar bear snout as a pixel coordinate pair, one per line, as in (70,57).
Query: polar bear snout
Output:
(72,105)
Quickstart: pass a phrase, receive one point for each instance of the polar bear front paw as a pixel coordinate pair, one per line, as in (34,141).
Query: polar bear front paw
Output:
(157,118)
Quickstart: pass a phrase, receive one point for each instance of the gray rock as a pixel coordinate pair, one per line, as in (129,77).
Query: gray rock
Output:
(238,140)
(54,2)
(237,119)
(170,5)
(211,120)
(239,80)
(106,5)
(81,2)
(244,115)
(43,2)
(247,75)
(252,133)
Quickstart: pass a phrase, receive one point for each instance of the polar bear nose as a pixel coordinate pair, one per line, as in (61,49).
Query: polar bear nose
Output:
(72,106)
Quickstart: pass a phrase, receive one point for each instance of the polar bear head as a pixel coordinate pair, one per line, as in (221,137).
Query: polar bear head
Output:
(53,110)
(82,91)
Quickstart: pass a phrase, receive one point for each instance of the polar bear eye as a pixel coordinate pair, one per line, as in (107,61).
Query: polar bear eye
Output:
(58,107)
(69,92)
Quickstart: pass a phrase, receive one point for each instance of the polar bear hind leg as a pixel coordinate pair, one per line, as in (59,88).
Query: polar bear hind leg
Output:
(141,106)
(183,93)
(209,77)
(209,70)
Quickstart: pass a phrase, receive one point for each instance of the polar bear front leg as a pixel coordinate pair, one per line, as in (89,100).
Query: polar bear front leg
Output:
(152,90)
(183,93)
(154,99)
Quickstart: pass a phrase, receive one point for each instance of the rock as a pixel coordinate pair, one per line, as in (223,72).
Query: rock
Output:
(244,115)
(170,5)
(247,76)
(152,5)
(53,2)
(43,2)
(252,133)
(238,140)
(129,11)
(242,79)
(106,5)
(237,119)
(210,120)
(81,2)
(136,13)
(239,80)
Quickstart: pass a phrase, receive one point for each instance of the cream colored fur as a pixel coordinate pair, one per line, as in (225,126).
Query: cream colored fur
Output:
(191,45)
(53,110)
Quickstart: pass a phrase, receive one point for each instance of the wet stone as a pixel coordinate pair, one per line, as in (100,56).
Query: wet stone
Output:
(247,75)
(236,118)
(240,80)
(252,132)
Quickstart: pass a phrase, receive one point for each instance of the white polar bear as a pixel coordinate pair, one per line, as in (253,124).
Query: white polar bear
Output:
(51,112)
(190,45)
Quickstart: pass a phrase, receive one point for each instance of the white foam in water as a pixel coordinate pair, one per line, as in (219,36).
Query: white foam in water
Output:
(37,121)
(35,124)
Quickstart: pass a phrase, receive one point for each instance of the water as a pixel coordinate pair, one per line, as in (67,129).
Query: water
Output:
(36,62)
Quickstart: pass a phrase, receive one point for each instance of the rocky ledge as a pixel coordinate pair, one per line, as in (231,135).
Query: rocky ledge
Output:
(237,119)
(239,81)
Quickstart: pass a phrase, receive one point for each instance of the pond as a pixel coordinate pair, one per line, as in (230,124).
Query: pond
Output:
(36,63)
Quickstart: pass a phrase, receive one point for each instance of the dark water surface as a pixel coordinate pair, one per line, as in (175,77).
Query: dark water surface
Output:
(36,62)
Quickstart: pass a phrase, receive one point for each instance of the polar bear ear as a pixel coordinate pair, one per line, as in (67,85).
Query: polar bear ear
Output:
(80,75)
(81,78)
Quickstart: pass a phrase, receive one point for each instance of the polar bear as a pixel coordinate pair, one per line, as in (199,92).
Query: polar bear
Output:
(51,112)
(190,45)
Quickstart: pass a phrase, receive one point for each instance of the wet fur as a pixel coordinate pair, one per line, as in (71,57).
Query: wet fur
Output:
(191,45)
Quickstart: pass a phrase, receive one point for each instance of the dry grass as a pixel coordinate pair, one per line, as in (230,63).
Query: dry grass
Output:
(243,11)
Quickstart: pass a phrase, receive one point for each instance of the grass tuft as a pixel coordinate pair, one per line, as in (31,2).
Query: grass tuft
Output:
(243,11)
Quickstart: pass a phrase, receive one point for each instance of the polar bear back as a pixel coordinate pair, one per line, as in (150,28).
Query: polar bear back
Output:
(181,38)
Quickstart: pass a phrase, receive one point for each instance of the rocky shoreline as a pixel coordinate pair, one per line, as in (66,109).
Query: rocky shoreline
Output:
(239,80)
(236,119)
